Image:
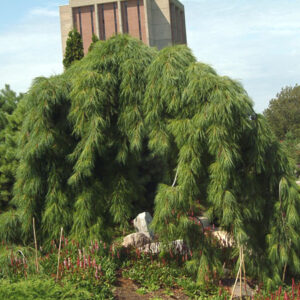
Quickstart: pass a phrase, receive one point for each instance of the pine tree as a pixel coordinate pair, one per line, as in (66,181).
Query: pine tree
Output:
(8,103)
(74,48)
(92,135)
(11,117)
(10,121)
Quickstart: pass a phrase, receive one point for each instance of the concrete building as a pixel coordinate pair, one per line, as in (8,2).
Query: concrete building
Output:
(158,23)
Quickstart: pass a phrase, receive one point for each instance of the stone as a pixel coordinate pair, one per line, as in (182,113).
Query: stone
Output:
(153,248)
(204,221)
(136,239)
(142,224)
(246,291)
(178,247)
(223,237)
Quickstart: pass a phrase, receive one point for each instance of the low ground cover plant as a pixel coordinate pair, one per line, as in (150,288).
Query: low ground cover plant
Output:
(90,271)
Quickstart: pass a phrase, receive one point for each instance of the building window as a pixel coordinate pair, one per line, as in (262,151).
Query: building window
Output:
(183,27)
(115,16)
(125,17)
(173,22)
(92,19)
(139,18)
(101,22)
(80,24)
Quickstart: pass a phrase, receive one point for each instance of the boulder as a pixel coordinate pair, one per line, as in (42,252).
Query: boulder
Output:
(204,221)
(153,248)
(177,246)
(136,239)
(142,224)
(224,238)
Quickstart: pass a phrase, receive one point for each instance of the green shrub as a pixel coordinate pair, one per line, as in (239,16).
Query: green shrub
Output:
(40,288)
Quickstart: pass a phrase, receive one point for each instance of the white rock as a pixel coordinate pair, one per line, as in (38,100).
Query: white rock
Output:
(136,239)
(178,247)
(204,221)
(153,248)
(223,237)
(142,224)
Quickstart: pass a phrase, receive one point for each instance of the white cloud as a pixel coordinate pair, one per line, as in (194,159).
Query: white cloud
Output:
(256,42)
(30,49)
(44,12)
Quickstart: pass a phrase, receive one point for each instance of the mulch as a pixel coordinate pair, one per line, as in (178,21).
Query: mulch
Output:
(126,290)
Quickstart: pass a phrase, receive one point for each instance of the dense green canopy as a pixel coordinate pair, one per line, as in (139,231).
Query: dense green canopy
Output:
(126,121)
(10,121)
(283,112)
(283,115)
(74,48)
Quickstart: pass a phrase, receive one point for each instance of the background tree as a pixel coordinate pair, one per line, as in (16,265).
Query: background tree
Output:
(8,103)
(283,115)
(10,121)
(74,48)
(11,116)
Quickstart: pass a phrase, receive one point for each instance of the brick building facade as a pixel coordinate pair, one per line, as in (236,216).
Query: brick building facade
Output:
(158,23)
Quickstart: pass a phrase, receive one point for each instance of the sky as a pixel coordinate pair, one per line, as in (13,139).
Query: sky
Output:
(256,42)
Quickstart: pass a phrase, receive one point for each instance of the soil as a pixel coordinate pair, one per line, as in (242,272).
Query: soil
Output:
(126,290)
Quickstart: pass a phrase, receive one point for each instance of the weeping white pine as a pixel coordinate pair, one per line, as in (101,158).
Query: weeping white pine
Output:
(128,121)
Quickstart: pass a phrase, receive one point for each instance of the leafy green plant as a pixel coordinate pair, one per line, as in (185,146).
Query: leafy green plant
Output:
(152,275)
(43,288)
(142,291)
(16,262)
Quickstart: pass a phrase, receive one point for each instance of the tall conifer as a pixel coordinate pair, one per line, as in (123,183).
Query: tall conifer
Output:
(10,122)
(74,48)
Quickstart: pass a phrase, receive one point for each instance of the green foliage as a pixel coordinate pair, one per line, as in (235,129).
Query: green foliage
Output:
(89,270)
(16,262)
(292,145)
(225,155)
(8,103)
(154,274)
(74,48)
(92,268)
(43,288)
(283,113)
(44,143)
(10,122)
(95,39)
(94,139)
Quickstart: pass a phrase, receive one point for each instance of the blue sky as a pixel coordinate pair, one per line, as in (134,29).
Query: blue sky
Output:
(254,41)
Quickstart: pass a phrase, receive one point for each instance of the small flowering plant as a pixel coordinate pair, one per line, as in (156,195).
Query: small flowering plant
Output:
(93,265)
(15,261)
